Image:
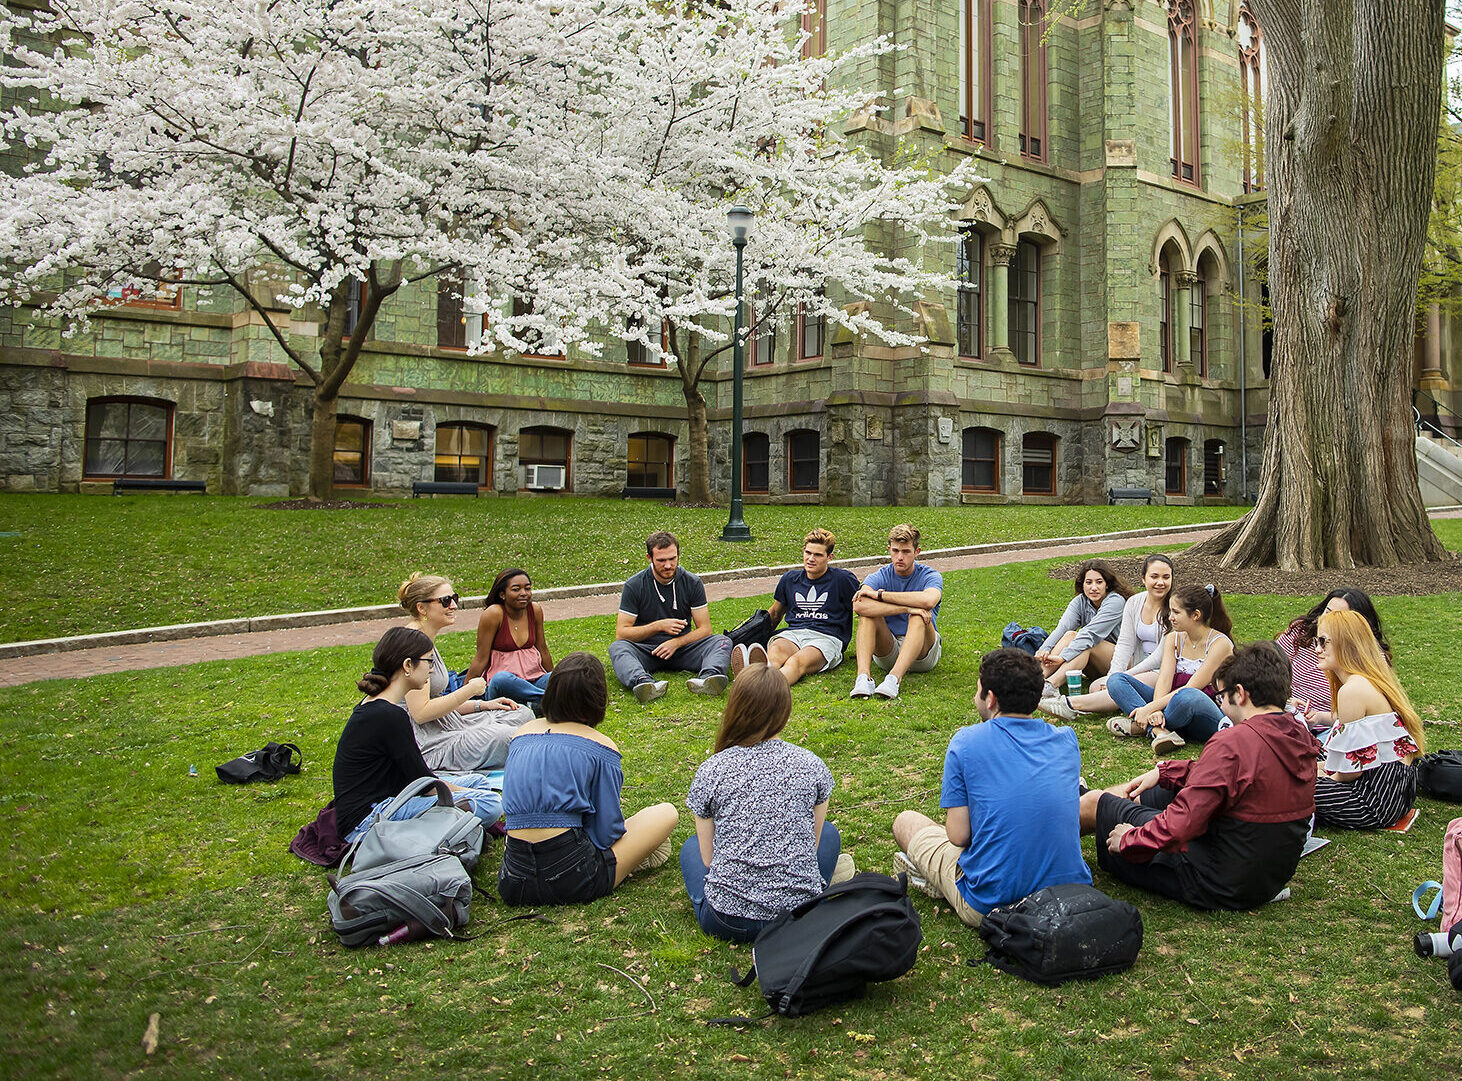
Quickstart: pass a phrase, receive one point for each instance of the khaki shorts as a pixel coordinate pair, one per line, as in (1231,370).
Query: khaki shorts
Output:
(831,648)
(938,861)
(925,663)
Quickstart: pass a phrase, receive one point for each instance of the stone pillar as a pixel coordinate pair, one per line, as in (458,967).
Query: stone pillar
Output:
(1001,256)
(1431,359)
(1183,285)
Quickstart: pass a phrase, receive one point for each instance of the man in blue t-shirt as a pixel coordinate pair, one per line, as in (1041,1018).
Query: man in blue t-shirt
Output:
(817,601)
(1011,801)
(898,617)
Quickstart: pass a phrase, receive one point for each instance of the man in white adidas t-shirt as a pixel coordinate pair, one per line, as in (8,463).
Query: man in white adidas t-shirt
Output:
(817,601)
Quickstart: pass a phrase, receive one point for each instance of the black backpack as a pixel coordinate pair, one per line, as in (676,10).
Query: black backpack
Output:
(269,763)
(755,629)
(1062,933)
(1439,775)
(827,950)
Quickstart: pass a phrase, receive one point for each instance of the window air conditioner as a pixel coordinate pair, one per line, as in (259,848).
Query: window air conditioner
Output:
(544,477)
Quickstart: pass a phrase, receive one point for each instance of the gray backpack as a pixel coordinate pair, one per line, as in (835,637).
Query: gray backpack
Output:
(443,828)
(431,889)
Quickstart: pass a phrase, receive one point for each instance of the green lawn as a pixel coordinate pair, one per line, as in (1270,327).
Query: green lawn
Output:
(111,563)
(131,888)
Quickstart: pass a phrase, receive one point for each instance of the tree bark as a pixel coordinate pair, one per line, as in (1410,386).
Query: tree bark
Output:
(686,349)
(1350,137)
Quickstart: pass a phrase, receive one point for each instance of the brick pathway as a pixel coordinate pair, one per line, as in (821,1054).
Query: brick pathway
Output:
(90,662)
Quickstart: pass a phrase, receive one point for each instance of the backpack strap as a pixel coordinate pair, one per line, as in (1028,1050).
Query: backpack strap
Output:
(410,792)
(1431,910)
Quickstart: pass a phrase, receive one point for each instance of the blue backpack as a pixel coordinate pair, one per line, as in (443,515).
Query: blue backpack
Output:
(1028,639)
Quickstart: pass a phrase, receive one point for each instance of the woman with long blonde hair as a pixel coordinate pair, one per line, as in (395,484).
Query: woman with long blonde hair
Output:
(1368,778)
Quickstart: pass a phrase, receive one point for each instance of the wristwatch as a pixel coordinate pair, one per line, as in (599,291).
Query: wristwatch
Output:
(880,595)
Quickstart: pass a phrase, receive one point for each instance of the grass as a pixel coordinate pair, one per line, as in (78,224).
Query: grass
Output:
(112,563)
(131,888)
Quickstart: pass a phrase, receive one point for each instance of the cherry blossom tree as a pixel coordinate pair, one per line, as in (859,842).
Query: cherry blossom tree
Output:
(314,155)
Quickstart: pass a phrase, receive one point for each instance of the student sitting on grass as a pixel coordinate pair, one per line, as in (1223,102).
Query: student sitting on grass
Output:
(1144,623)
(512,652)
(1369,776)
(456,730)
(377,755)
(1224,830)
(1009,797)
(568,839)
(1311,689)
(762,842)
(1178,708)
(1087,634)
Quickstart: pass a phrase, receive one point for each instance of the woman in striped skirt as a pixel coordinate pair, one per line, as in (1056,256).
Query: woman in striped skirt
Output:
(1368,778)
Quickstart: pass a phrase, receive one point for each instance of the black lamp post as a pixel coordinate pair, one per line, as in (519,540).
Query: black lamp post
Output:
(739,218)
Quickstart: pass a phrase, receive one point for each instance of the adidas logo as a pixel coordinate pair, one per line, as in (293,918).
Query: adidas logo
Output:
(812,599)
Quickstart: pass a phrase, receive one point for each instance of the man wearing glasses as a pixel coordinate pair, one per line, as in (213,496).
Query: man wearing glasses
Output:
(1225,830)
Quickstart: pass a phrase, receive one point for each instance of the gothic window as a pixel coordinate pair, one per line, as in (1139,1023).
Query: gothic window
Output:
(814,25)
(969,273)
(1025,303)
(974,69)
(1252,82)
(1165,325)
(1033,79)
(1183,89)
(1198,323)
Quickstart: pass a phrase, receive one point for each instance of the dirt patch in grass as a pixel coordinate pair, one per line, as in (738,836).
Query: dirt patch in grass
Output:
(318,504)
(1411,579)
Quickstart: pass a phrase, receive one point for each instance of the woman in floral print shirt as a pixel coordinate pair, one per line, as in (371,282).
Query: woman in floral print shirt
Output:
(1368,779)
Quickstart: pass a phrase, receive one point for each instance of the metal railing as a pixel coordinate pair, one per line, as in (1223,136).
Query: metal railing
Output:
(1434,424)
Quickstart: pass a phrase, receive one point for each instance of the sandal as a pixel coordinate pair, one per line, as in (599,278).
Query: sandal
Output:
(1126,728)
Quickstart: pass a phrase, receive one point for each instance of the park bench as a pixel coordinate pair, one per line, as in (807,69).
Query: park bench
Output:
(1114,494)
(157,484)
(443,487)
(628,492)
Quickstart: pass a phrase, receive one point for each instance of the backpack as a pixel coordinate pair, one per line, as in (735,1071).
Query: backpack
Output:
(1026,639)
(1439,775)
(1060,933)
(827,950)
(755,629)
(432,889)
(269,763)
(1447,904)
(442,828)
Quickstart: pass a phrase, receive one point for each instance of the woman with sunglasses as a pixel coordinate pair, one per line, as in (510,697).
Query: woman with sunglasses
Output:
(458,730)
(1368,778)
(1311,695)
(377,755)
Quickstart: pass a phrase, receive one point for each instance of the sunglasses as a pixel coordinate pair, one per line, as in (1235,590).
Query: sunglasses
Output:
(449,600)
(1322,642)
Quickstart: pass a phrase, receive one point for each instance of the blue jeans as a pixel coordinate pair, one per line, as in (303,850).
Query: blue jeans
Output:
(525,692)
(482,792)
(739,928)
(1189,712)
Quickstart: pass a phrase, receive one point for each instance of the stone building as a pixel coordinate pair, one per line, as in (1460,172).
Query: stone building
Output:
(1102,333)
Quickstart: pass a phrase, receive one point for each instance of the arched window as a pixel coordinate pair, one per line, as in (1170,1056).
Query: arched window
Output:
(1198,321)
(1038,464)
(1183,89)
(651,461)
(1025,303)
(974,69)
(803,464)
(544,454)
(352,451)
(453,328)
(980,460)
(464,453)
(811,333)
(1252,80)
(1165,324)
(1214,473)
(128,437)
(1177,467)
(1033,79)
(755,462)
(969,277)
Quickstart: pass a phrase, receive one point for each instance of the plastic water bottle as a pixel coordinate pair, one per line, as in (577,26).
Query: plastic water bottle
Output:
(410,931)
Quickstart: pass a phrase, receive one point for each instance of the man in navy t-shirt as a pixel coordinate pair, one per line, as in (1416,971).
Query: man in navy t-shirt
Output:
(1010,797)
(817,601)
(898,617)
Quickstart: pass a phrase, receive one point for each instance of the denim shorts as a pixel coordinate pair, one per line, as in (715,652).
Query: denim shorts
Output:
(563,870)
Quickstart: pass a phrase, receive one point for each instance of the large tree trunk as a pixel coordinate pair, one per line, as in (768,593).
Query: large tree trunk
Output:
(1350,136)
(322,446)
(686,349)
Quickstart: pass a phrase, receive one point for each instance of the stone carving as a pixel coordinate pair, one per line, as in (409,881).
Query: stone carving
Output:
(1002,254)
(405,430)
(1127,434)
(873,429)
(263,408)
(946,429)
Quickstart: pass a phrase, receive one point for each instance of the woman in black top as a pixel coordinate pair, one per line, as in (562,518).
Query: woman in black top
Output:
(378,756)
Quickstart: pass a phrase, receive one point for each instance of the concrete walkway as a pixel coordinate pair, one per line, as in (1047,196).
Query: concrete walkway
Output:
(62,662)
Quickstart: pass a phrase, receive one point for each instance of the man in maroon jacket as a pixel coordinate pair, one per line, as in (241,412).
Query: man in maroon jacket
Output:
(1224,830)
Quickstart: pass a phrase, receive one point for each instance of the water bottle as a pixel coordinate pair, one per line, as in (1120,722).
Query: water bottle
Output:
(409,931)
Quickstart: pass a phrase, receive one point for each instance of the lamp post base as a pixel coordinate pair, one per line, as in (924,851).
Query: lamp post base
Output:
(736,527)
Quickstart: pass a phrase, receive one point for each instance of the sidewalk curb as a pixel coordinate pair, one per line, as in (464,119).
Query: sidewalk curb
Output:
(178,631)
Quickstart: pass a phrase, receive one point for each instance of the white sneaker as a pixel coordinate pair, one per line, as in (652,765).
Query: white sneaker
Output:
(1061,707)
(889,688)
(902,865)
(863,686)
(711,685)
(650,690)
(844,869)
